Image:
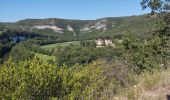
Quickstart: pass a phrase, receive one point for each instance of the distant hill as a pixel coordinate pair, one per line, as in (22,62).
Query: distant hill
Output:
(87,28)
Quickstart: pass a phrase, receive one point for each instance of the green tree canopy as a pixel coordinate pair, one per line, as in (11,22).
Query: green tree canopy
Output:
(156,5)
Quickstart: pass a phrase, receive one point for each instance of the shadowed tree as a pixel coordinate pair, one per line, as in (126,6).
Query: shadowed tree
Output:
(156,5)
(161,7)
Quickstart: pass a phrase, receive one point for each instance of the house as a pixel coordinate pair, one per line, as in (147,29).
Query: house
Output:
(99,42)
(104,42)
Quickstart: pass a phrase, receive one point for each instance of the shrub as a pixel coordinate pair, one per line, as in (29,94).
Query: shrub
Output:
(145,55)
(20,53)
(37,79)
(31,79)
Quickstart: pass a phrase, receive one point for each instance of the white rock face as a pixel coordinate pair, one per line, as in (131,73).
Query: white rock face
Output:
(85,29)
(52,27)
(69,28)
(100,25)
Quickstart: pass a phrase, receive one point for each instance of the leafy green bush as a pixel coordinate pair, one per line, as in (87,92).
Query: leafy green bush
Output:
(144,54)
(19,53)
(31,79)
(71,55)
(37,79)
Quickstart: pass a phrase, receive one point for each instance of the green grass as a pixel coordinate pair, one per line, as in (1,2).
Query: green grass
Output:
(45,57)
(64,44)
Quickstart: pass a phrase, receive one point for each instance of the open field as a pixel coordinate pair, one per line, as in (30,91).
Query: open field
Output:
(53,46)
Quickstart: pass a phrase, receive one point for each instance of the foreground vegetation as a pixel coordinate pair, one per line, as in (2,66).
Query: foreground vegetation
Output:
(81,69)
(35,78)
(149,86)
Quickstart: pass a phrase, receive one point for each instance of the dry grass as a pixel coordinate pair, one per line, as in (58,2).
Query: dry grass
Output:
(151,86)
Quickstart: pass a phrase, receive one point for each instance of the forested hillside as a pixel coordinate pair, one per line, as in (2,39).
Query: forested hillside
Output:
(108,58)
(111,25)
(48,31)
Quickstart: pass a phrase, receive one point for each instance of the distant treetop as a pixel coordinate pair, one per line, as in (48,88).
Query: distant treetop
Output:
(156,5)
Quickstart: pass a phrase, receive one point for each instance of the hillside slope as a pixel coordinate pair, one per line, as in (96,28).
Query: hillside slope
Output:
(108,26)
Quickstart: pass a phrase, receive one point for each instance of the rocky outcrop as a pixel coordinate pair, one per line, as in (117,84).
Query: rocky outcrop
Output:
(69,28)
(52,27)
(99,25)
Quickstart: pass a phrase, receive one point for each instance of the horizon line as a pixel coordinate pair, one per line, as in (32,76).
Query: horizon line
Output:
(72,18)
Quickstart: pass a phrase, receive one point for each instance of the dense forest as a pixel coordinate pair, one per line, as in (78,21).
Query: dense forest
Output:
(51,59)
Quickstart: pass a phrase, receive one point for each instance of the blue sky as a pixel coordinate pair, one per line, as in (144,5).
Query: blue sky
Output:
(14,10)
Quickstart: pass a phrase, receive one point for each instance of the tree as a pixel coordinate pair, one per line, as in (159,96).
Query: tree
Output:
(19,52)
(163,29)
(156,5)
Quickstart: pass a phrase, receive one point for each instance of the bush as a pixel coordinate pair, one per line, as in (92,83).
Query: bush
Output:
(28,80)
(83,55)
(20,53)
(145,55)
(37,79)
